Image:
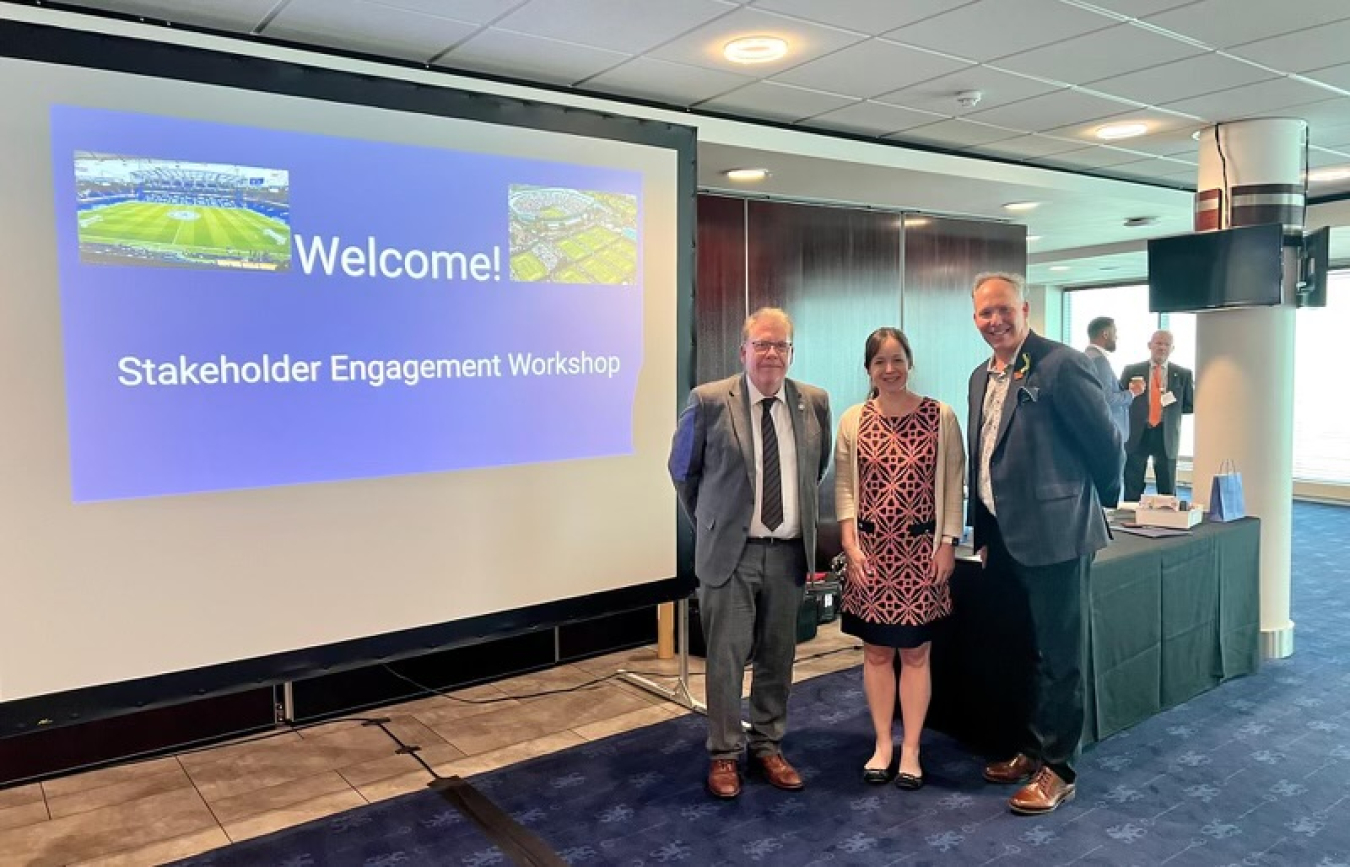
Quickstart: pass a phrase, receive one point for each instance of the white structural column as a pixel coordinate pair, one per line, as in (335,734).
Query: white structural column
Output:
(1251,172)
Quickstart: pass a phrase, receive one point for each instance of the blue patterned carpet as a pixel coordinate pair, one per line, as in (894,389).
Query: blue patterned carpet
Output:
(1256,772)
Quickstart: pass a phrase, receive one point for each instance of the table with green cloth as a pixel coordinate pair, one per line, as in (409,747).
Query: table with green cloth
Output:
(1167,620)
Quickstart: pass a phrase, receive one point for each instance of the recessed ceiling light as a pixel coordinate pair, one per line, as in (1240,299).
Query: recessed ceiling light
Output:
(755,49)
(1021,206)
(1322,176)
(1059,267)
(1121,130)
(1031,238)
(747,175)
(916,222)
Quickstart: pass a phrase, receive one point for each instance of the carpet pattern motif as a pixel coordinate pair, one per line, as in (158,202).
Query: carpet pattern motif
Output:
(1255,772)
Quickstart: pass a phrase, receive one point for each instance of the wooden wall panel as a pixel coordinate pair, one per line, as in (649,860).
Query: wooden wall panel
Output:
(942,258)
(719,294)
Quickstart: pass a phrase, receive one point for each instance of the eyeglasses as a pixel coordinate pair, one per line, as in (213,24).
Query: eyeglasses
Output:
(762,347)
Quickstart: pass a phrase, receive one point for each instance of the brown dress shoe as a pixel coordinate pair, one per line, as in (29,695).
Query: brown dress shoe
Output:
(1019,769)
(724,779)
(1044,793)
(778,772)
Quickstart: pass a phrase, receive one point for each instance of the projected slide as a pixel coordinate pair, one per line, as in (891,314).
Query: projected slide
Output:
(245,307)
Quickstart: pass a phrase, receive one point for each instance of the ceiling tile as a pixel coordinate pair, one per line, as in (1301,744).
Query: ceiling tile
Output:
(1277,94)
(472,11)
(872,118)
(703,45)
(1299,52)
(1176,143)
(869,69)
(1030,147)
(629,26)
(1225,23)
(663,81)
(242,15)
(1193,76)
(1097,157)
(765,99)
(1092,56)
(1320,158)
(1053,110)
(1158,122)
(1139,8)
(990,29)
(1330,112)
(957,133)
(1330,135)
(1336,76)
(865,16)
(1155,169)
(530,57)
(355,25)
(996,88)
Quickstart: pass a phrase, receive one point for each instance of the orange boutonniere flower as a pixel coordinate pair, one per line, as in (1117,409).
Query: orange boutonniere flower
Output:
(1024,368)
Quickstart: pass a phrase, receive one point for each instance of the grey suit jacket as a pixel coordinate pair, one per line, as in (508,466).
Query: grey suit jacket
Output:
(712,463)
(1181,382)
(1057,457)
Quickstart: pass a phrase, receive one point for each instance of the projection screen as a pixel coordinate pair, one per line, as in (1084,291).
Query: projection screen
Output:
(293,359)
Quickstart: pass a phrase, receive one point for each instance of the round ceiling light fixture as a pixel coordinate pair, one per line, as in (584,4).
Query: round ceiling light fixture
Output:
(1121,130)
(1021,206)
(746,176)
(1031,238)
(1059,267)
(755,49)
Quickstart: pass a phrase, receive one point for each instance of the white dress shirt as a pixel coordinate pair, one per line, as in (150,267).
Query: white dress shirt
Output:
(791,528)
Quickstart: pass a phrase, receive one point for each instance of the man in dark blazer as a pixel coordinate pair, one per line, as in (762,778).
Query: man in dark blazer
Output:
(1163,393)
(747,459)
(1044,456)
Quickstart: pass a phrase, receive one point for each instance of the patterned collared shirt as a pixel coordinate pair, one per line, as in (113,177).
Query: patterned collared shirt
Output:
(991,416)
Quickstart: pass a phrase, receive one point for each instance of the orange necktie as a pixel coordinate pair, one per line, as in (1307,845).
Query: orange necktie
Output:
(1155,398)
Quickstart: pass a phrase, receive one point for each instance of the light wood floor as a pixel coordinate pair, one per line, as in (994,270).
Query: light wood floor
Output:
(168,808)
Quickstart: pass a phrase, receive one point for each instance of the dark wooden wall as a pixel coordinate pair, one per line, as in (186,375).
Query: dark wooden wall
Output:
(841,273)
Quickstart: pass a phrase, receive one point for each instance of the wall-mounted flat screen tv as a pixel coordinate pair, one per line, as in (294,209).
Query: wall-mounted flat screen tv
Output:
(1240,267)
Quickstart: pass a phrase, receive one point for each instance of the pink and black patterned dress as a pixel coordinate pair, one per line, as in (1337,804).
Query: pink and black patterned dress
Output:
(897,510)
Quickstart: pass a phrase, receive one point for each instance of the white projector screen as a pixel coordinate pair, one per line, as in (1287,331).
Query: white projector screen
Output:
(281,372)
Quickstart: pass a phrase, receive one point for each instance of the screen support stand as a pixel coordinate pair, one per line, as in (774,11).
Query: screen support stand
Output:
(679,693)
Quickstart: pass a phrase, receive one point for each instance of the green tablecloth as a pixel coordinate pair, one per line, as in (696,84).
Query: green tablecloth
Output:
(1167,620)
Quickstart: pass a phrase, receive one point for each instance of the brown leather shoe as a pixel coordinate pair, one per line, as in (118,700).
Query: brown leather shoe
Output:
(1044,793)
(1019,769)
(778,772)
(724,779)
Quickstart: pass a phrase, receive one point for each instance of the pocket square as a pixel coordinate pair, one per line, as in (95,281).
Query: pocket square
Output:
(1028,394)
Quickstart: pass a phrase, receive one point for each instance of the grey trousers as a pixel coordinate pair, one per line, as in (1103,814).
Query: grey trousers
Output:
(752,618)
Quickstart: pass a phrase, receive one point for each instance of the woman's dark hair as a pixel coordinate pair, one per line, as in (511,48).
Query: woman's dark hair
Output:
(873,346)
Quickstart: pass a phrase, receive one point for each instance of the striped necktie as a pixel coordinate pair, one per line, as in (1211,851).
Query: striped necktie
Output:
(771,510)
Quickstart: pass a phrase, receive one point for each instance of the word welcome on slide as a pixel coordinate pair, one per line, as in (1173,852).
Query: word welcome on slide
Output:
(319,308)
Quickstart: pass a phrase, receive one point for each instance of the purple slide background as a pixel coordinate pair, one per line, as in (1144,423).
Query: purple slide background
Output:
(145,441)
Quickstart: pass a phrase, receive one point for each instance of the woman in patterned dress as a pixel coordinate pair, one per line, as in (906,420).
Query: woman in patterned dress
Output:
(900,466)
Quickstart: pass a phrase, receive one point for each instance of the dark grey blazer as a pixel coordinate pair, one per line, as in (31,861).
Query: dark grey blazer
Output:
(1057,456)
(1181,382)
(712,463)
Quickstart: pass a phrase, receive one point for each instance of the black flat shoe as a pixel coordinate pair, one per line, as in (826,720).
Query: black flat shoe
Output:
(878,776)
(909,782)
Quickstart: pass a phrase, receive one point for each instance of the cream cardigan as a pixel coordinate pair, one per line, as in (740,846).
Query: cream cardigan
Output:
(950,481)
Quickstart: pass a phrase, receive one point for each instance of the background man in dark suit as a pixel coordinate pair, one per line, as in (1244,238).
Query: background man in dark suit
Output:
(1044,456)
(1163,392)
(747,460)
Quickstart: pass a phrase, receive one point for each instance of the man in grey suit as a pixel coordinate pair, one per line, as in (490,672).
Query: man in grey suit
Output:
(747,460)
(1044,457)
(1161,393)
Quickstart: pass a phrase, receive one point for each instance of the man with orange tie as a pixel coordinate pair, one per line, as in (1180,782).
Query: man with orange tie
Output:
(1163,392)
